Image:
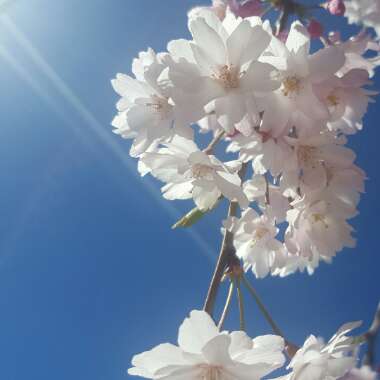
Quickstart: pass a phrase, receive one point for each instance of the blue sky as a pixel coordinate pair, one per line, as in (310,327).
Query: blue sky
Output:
(90,271)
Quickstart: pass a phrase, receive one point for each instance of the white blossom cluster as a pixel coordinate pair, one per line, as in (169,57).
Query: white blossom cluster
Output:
(283,110)
(283,113)
(205,353)
(362,373)
(364,12)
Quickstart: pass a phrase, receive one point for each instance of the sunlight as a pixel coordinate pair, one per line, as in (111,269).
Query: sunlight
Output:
(86,115)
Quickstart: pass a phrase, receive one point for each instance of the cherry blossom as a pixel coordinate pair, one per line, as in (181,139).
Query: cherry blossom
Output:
(279,114)
(318,361)
(364,12)
(220,67)
(298,72)
(246,8)
(267,153)
(336,7)
(362,373)
(191,173)
(306,170)
(346,99)
(203,352)
(317,229)
(255,242)
(355,50)
(146,110)
(268,197)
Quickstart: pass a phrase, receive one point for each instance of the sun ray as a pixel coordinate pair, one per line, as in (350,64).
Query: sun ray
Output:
(87,116)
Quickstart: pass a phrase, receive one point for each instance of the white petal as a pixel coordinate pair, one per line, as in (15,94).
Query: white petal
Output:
(246,43)
(148,363)
(124,85)
(240,342)
(216,352)
(182,190)
(230,186)
(325,63)
(196,331)
(204,195)
(298,40)
(260,77)
(181,49)
(209,41)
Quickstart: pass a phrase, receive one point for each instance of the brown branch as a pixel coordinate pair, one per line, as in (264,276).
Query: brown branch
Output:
(290,348)
(286,10)
(219,135)
(227,257)
(227,304)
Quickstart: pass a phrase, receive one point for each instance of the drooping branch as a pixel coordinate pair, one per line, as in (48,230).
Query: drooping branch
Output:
(241,304)
(371,337)
(227,257)
(286,9)
(219,135)
(227,304)
(262,308)
(290,348)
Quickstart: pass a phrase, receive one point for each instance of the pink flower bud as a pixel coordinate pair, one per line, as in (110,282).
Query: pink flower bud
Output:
(335,37)
(219,8)
(247,8)
(336,7)
(283,35)
(315,29)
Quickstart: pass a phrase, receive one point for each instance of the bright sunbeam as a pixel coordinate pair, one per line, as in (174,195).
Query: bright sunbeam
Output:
(86,115)
(6,4)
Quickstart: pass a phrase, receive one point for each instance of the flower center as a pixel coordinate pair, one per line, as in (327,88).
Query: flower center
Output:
(258,234)
(332,100)
(210,372)
(227,76)
(159,105)
(291,86)
(319,218)
(201,171)
(306,155)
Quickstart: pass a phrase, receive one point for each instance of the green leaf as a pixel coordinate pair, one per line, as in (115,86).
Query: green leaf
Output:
(190,218)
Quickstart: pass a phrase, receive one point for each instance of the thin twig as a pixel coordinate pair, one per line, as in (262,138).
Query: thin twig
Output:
(283,20)
(262,308)
(241,304)
(371,336)
(266,11)
(214,142)
(227,252)
(267,197)
(325,41)
(227,304)
(290,348)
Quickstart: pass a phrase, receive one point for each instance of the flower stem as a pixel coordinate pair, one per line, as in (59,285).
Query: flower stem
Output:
(241,304)
(370,337)
(227,305)
(219,135)
(262,308)
(287,8)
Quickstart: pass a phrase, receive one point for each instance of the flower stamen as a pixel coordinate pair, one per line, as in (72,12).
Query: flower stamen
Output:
(227,76)
(201,171)
(291,86)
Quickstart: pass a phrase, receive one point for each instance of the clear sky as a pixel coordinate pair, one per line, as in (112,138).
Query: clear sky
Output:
(90,271)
